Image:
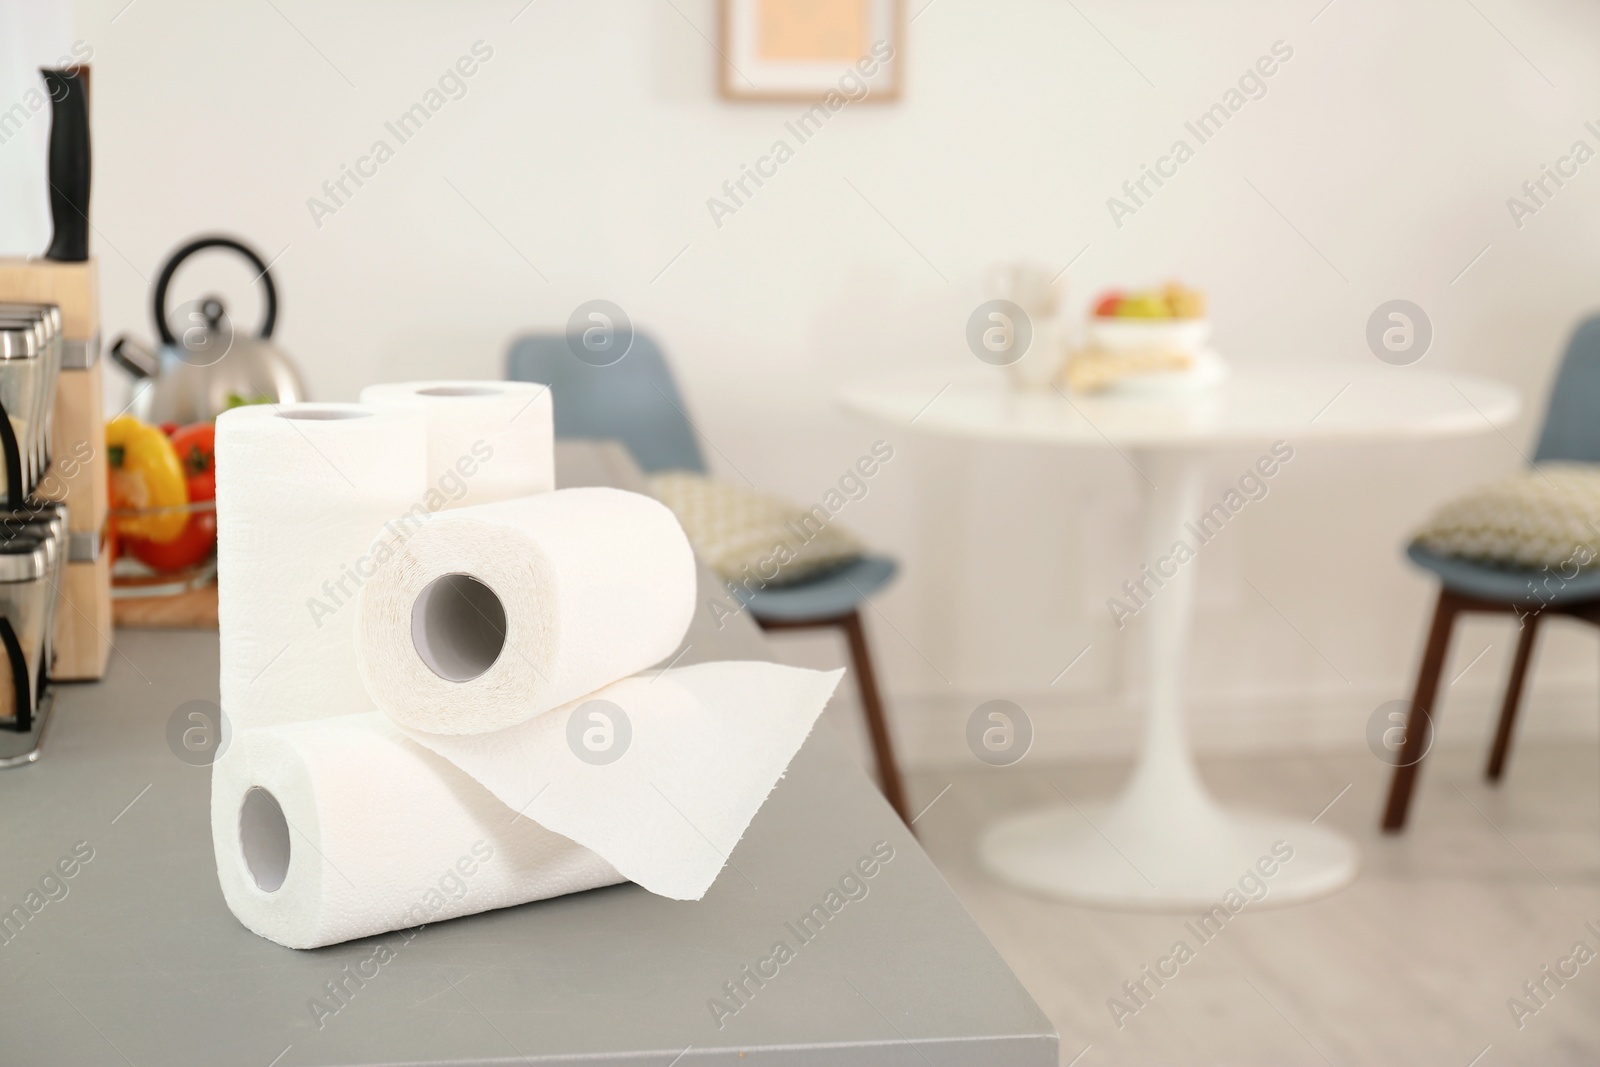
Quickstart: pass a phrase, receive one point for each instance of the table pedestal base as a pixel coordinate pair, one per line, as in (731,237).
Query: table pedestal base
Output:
(1165,843)
(1075,854)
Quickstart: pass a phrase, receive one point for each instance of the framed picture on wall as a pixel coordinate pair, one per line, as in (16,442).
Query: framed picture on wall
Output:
(807,49)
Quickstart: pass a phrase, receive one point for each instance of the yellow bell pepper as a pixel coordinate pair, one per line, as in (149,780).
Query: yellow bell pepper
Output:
(146,474)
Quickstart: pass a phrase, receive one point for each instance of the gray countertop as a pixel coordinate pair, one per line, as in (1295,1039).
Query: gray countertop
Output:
(138,961)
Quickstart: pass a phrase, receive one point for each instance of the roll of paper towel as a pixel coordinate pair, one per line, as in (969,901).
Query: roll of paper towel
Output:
(487,441)
(303,490)
(491,615)
(340,828)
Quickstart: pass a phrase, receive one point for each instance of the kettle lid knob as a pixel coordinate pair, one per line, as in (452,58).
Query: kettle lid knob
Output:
(213,311)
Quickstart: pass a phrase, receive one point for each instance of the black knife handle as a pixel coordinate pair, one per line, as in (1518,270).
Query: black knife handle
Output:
(69,164)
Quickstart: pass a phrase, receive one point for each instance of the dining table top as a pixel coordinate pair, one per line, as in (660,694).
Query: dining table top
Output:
(1305,401)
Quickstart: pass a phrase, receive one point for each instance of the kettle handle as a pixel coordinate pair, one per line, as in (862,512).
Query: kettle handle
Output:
(159,301)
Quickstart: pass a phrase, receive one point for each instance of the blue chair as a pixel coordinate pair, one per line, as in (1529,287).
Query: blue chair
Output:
(635,400)
(1571,432)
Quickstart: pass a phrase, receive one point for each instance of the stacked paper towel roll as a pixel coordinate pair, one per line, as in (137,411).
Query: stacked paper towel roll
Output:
(487,441)
(332,830)
(494,614)
(326,823)
(495,640)
(303,491)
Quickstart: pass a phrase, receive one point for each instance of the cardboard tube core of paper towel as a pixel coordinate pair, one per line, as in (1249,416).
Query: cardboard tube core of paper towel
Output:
(324,414)
(458,626)
(461,390)
(264,839)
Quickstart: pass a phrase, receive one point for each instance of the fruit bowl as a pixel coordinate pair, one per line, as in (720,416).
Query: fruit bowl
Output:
(1133,335)
(1207,370)
(144,568)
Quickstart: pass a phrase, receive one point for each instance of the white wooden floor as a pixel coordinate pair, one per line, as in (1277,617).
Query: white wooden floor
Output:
(1411,965)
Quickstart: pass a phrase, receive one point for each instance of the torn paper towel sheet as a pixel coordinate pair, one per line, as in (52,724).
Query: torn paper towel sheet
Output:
(660,774)
(341,828)
(493,614)
(487,440)
(302,492)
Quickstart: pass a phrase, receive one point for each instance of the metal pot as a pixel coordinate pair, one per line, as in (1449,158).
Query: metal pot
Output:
(206,367)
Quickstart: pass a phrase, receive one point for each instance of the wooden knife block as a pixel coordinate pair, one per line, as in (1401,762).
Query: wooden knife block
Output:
(78,476)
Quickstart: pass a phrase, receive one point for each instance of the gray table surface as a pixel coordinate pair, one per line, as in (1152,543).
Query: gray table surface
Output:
(141,963)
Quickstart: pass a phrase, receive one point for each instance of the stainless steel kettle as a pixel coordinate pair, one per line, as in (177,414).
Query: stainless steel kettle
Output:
(207,367)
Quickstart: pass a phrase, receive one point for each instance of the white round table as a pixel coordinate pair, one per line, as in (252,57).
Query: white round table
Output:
(1164,842)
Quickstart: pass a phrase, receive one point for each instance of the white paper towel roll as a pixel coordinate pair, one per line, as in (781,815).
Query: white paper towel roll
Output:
(340,828)
(302,492)
(661,773)
(487,441)
(491,615)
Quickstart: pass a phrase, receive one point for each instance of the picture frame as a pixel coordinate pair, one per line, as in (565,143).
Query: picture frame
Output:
(803,50)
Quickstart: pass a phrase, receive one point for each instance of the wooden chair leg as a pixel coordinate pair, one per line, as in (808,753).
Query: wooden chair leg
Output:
(1508,709)
(871,703)
(1419,725)
(877,722)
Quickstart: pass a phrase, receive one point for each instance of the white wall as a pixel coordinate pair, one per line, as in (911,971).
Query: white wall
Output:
(33,34)
(593,137)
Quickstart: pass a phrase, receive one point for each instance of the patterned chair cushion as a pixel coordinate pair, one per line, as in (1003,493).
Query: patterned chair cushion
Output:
(1545,517)
(745,535)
